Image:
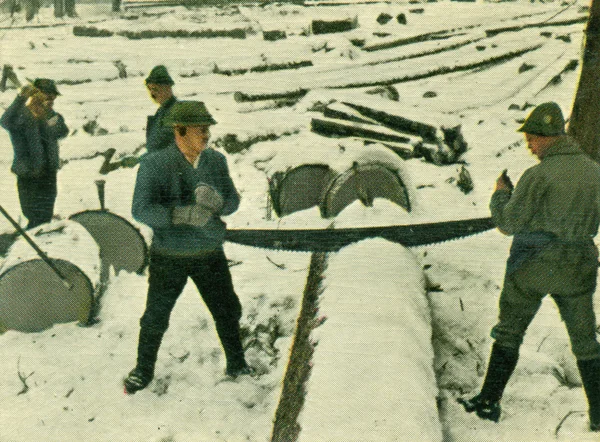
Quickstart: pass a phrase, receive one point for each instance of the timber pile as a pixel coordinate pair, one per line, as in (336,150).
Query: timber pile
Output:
(408,138)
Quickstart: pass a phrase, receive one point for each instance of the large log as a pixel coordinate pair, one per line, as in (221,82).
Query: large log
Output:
(342,129)
(32,296)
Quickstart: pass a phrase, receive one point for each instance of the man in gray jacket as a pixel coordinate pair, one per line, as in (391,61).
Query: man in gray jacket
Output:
(35,129)
(181,192)
(553,213)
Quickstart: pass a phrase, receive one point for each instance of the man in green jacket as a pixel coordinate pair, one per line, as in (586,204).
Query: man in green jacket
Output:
(553,214)
(160,87)
(181,192)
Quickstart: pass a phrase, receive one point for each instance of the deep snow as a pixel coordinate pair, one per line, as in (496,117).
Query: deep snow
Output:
(75,373)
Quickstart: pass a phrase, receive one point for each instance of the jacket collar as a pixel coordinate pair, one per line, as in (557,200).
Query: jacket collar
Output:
(564,145)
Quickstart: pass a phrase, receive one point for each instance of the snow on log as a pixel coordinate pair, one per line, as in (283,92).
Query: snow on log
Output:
(300,188)
(32,295)
(373,351)
(122,246)
(341,129)
(365,183)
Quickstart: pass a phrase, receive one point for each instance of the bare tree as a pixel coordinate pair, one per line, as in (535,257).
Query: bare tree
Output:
(585,119)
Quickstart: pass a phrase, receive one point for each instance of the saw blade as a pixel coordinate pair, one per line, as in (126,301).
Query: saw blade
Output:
(332,240)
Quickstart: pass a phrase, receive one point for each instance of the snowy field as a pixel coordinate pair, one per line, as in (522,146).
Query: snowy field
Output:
(405,331)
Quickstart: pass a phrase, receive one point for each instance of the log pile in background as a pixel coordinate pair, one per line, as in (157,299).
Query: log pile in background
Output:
(408,138)
(332,26)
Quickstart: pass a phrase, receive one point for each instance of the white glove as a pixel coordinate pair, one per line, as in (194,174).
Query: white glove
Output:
(192,215)
(208,197)
(52,121)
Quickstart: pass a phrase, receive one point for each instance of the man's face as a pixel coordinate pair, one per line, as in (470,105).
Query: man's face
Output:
(192,138)
(48,101)
(159,92)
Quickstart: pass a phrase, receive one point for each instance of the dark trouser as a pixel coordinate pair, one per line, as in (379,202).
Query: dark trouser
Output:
(571,287)
(37,197)
(168,276)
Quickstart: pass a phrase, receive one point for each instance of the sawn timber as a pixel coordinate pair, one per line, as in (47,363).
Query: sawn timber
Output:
(332,240)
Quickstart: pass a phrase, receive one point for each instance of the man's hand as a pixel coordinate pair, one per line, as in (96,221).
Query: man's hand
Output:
(27,91)
(52,121)
(208,197)
(192,215)
(504,183)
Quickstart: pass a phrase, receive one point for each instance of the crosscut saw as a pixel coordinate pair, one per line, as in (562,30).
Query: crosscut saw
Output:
(332,240)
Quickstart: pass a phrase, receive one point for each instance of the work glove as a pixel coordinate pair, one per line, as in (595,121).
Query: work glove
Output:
(192,215)
(209,198)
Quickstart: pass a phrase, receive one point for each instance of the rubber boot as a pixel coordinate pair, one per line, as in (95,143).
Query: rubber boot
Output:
(143,373)
(229,334)
(486,404)
(590,377)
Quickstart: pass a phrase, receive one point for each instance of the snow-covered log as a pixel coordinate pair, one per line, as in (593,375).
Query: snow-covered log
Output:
(32,296)
(341,129)
(372,372)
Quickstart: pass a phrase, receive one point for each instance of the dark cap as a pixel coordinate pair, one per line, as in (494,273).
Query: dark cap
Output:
(188,113)
(45,85)
(159,75)
(545,120)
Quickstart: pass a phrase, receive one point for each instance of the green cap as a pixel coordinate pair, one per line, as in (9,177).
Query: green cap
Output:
(45,85)
(188,113)
(159,75)
(545,120)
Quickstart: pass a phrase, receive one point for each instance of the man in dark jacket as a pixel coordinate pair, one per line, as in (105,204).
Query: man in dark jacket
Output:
(35,129)
(159,84)
(553,213)
(181,192)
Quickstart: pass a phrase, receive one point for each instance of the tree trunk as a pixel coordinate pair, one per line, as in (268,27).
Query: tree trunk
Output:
(116,5)
(584,124)
(59,8)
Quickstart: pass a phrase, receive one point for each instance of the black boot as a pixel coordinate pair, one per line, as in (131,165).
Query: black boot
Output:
(143,373)
(486,404)
(590,377)
(229,334)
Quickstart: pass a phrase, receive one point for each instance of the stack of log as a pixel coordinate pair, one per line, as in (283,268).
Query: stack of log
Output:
(408,138)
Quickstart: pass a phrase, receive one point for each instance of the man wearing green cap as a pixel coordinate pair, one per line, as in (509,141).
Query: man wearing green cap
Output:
(553,214)
(159,84)
(35,129)
(181,192)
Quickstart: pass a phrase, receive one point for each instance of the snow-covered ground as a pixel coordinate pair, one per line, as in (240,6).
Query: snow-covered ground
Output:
(378,303)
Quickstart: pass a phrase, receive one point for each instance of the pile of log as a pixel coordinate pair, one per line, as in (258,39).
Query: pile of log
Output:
(408,138)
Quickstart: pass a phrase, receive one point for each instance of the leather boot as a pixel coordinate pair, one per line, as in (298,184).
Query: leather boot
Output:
(143,373)
(486,404)
(229,334)
(590,377)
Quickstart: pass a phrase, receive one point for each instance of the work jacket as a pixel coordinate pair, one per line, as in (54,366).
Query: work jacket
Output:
(34,140)
(166,179)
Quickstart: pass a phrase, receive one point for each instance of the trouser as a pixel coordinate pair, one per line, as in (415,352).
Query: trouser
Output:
(37,197)
(168,276)
(571,287)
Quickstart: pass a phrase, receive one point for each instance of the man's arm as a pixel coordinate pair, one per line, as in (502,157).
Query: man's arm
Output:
(231,197)
(144,207)
(512,211)
(8,119)
(57,127)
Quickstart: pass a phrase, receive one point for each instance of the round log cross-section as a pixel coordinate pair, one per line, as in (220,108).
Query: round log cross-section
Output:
(365,183)
(122,246)
(300,188)
(33,297)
